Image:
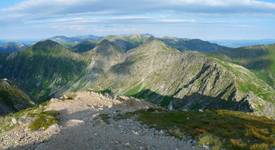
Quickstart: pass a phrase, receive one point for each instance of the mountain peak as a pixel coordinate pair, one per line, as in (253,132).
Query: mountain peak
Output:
(47,45)
(105,46)
(155,42)
(154,45)
(140,36)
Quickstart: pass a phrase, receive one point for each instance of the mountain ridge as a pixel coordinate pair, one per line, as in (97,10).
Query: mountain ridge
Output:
(154,67)
(259,59)
(43,68)
(153,71)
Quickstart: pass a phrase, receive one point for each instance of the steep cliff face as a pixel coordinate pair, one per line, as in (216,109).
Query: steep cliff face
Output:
(11,98)
(189,80)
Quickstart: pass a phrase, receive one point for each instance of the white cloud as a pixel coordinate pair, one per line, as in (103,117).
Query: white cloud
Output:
(125,11)
(137,6)
(80,15)
(176,20)
(35,4)
(224,3)
(33,9)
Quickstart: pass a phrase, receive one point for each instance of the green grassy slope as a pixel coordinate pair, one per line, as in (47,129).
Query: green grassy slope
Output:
(192,45)
(11,98)
(259,59)
(43,68)
(127,42)
(219,129)
(161,74)
(84,46)
(101,59)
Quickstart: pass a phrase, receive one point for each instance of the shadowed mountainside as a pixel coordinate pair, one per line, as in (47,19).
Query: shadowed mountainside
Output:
(11,98)
(259,59)
(43,68)
(166,71)
(48,68)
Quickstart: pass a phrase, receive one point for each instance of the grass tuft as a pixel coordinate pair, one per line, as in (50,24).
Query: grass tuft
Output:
(44,120)
(220,129)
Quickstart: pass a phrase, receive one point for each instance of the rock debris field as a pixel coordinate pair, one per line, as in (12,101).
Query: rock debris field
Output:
(87,122)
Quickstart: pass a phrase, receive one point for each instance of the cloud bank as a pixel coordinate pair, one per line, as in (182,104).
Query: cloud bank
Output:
(81,14)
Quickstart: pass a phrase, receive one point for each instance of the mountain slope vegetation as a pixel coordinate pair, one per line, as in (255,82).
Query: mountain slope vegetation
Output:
(192,45)
(12,98)
(259,59)
(220,129)
(73,41)
(101,59)
(84,46)
(152,71)
(43,68)
(188,80)
(127,42)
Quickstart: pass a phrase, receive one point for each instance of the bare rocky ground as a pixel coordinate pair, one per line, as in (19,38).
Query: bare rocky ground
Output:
(86,122)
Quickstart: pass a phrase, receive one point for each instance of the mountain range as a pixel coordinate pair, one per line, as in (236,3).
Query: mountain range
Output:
(258,59)
(182,73)
(127,42)
(188,80)
(8,47)
(244,43)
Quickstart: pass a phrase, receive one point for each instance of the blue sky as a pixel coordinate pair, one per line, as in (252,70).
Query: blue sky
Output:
(204,19)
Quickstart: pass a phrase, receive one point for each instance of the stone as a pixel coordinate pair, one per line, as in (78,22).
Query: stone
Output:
(65,97)
(135,132)
(127,144)
(53,129)
(74,122)
(205,146)
(53,99)
(95,115)
(14,121)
